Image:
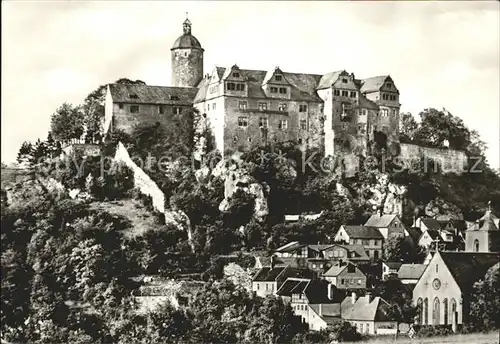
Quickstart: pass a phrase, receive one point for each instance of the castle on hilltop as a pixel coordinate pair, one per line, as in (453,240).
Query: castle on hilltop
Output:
(247,108)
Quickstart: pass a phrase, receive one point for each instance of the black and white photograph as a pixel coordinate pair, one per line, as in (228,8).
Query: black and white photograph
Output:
(250,172)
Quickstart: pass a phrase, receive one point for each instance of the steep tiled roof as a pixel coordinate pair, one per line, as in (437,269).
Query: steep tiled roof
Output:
(367,103)
(289,285)
(375,310)
(291,246)
(414,233)
(363,232)
(329,79)
(335,270)
(431,223)
(145,94)
(468,267)
(433,234)
(393,265)
(372,84)
(328,311)
(268,274)
(317,292)
(380,221)
(411,271)
(202,91)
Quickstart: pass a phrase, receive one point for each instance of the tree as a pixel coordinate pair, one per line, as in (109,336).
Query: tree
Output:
(484,310)
(407,127)
(399,248)
(399,298)
(68,122)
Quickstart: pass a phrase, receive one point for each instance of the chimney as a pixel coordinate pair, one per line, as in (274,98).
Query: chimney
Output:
(320,310)
(368,297)
(273,262)
(330,292)
(353,297)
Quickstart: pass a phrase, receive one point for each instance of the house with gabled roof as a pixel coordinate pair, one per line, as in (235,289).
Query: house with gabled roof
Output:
(390,269)
(443,292)
(270,278)
(387,224)
(369,237)
(346,276)
(410,273)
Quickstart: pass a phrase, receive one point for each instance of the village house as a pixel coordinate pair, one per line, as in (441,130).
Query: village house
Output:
(346,276)
(390,269)
(270,278)
(410,273)
(429,238)
(369,237)
(443,292)
(427,223)
(447,231)
(484,234)
(387,225)
(368,314)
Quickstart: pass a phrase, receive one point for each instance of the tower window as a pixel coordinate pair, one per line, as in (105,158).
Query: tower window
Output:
(302,108)
(282,90)
(134,108)
(274,90)
(240,87)
(283,124)
(303,124)
(243,122)
(177,110)
(278,77)
(242,105)
(263,122)
(282,107)
(262,106)
(336,93)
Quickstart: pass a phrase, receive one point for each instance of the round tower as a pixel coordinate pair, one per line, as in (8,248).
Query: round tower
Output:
(187,59)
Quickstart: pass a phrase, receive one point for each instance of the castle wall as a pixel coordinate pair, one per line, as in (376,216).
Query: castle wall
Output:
(148,114)
(450,160)
(187,67)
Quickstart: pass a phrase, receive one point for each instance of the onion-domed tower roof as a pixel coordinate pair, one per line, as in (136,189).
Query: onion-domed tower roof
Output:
(187,40)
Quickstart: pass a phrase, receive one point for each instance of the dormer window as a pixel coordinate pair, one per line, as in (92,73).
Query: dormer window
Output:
(344,80)
(133,96)
(236,75)
(172,97)
(278,77)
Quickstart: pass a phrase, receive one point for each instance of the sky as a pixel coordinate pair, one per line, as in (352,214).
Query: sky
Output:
(440,54)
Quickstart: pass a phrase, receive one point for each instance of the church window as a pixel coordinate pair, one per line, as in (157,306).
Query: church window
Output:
(274,90)
(177,110)
(242,122)
(353,94)
(336,92)
(426,312)
(231,86)
(476,245)
(242,105)
(445,311)
(283,124)
(278,77)
(302,108)
(420,311)
(262,106)
(282,90)
(240,87)
(134,108)
(344,81)
(436,317)
(345,93)
(236,75)
(303,124)
(453,311)
(161,109)
(282,107)
(437,268)
(263,123)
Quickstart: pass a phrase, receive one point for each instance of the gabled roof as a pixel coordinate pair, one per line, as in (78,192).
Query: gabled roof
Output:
(375,310)
(488,222)
(329,79)
(431,223)
(393,265)
(411,271)
(367,103)
(373,84)
(291,246)
(432,233)
(468,267)
(363,232)
(380,221)
(268,274)
(415,233)
(335,270)
(290,285)
(328,311)
(145,94)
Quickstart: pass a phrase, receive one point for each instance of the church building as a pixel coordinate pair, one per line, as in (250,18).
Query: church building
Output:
(484,234)
(246,108)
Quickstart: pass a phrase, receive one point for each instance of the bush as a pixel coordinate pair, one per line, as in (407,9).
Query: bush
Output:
(433,331)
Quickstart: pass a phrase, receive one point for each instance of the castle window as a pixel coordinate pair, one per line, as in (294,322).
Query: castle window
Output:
(243,122)
(231,86)
(262,106)
(394,113)
(120,106)
(303,124)
(336,92)
(384,112)
(263,122)
(242,105)
(282,107)
(384,96)
(235,139)
(133,96)
(177,110)
(345,93)
(393,97)
(476,245)
(134,108)
(302,108)
(353,94)
(300,141)
(161,109)
(344,81)
(283,124)
(282,90)
(274,90)
(249,139)
(278,77)
(236,75)
(172,97)
(388,85)
(240,87)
